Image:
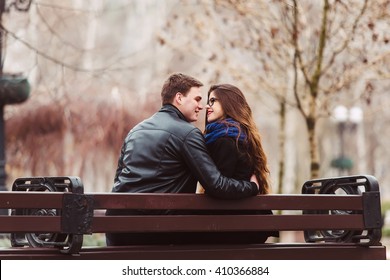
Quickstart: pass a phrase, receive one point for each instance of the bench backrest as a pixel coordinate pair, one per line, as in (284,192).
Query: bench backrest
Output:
(344,209)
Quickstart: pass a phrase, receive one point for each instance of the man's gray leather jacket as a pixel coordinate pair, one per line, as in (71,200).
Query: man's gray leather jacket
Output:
(166,154)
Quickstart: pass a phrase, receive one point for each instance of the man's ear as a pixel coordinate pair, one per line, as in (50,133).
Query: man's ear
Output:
(178,98)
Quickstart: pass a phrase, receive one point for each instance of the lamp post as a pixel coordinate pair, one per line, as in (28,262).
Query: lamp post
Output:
(347,121)
(14,88)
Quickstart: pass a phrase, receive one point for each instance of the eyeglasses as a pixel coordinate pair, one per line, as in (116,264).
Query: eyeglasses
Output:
(211,101)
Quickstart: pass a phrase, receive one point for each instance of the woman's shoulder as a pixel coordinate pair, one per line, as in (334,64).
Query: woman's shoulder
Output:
(230,141)
(226,144)
(225,140)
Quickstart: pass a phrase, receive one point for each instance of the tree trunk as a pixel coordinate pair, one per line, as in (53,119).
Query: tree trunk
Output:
(313,146)
(282,142)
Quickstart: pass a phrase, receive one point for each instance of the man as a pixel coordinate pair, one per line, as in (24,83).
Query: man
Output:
(167,154)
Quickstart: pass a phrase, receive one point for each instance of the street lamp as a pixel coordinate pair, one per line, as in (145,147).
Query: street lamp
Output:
(347,121)
(14,88)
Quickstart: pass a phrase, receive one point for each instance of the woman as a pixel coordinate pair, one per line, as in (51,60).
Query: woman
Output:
(234,142)
(232,137)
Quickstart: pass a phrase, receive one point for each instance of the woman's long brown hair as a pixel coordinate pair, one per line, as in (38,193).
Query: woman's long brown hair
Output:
(235,106)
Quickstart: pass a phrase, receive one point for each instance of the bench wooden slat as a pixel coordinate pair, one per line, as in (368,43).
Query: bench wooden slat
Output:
(279,251)
(199,223)
(225,223)
(194,202)
(37,224)
(243,252)
(18,200)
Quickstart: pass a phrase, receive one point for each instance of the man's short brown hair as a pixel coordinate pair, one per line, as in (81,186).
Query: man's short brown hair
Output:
(177,82)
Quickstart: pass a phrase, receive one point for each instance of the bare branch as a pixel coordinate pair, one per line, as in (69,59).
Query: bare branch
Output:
(297,58)
(64,64)
(321,48)
(348,39)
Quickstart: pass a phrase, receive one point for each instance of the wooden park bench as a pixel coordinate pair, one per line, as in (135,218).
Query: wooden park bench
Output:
(49,216)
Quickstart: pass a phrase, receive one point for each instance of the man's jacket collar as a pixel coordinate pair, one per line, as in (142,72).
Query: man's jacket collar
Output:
(172,109)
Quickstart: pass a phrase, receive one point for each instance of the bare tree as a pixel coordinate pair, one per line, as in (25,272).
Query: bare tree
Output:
(307,54)
(294,60)
(85,82)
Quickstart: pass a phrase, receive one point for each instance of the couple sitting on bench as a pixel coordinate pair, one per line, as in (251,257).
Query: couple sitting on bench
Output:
(168,154)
